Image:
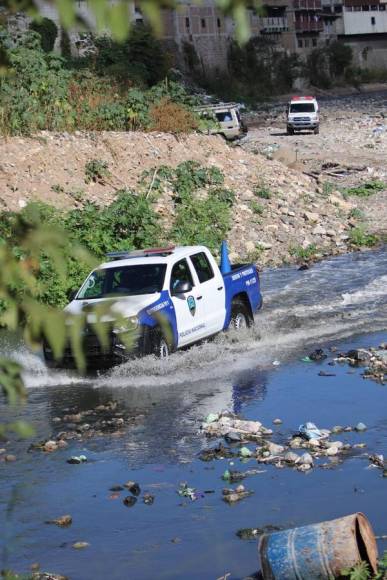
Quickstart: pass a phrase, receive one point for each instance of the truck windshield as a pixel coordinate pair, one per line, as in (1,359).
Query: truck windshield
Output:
(302,108)
(123,281)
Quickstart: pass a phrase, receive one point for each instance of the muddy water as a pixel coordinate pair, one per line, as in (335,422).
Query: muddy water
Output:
(340,302)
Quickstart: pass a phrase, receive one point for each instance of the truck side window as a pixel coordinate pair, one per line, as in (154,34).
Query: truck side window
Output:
(202,267)
(180,273)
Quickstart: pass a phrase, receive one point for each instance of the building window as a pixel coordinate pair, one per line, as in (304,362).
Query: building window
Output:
(373,20)
(187,23)
(374,7)
(314,41)
(365,8)
(299,43)
(203,22)
(382,7)
(306,42)
(338,8)
(219,23)
(357,8)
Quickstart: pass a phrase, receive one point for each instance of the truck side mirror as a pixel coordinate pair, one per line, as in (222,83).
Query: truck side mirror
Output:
(182,288)
(73,294)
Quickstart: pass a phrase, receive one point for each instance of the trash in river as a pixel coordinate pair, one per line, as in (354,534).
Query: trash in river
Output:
(235,495)
(133,487)
(62,521)
(75,460)
(129,500)
(116,488)
(306,359)
(318,355)
(375,359)
(190,492)
(228,423)
(253,533)
(230,475)
(277,421)
(310,431)
(212,417)
(326,374)
(276,363)
(218,452)
(81,545)
(148,499)
(361,427)
(331,547)
(377,460)
(245,452)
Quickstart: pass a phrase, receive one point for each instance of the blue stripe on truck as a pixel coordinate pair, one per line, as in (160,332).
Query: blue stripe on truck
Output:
(245,280)
(163,306)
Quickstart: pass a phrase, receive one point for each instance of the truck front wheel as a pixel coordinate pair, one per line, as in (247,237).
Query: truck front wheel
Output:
(316,130)
(289,131)
(240,316)
(160,346)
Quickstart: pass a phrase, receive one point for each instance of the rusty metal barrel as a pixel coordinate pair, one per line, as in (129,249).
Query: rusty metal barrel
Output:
(319,551)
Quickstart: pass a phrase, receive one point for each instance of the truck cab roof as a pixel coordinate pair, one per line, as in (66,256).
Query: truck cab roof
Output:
(166,255)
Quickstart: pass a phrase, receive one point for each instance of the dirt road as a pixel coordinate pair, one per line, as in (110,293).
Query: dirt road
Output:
(350,149)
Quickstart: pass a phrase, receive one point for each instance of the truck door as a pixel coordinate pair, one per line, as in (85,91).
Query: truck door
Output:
(213,292)
(189,306)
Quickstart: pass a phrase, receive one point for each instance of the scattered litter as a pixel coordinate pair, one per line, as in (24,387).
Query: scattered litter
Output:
(218,452)
(129,500)
(253,533)
(228,423)
(76,460)
(361,427)
(190,492)
(306,359)
(133,487)
(276,363)
(310,431)
(318,355)
(62,521)
(277,421)
(81,545)
(245,452)
(377,460)
(148,499)
(230,475)
(235,495)
(326,374)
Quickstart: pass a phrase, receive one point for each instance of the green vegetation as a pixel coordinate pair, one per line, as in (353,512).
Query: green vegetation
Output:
(202,215)
(257,207)
(366,189)
(362,571)
(48,32)
(304,253)
(360,238)
(96,170)
(329,65)
(44,91)
(262,191)
(256,69)
(356,213)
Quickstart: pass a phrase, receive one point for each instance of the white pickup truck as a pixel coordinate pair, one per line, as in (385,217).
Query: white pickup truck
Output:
(183,285)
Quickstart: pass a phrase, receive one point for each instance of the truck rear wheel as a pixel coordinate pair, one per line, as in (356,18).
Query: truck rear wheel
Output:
(240,316)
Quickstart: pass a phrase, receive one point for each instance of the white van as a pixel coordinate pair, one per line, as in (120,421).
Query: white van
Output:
(302,113)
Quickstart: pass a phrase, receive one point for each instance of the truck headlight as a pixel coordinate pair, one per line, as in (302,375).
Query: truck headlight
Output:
(130,323)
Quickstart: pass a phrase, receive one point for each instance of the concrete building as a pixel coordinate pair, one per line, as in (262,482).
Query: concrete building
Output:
(202,32)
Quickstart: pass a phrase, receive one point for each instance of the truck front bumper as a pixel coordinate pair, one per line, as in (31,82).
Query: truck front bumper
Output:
(96,356)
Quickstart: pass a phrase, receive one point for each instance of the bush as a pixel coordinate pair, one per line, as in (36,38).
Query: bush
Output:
(340,58)
(44,94)
(169,117)
(317,68)
(48,32)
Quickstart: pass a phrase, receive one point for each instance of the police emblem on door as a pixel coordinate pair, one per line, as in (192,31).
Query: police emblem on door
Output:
(191,305)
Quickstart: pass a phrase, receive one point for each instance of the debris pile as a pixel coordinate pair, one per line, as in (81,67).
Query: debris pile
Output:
(374,360)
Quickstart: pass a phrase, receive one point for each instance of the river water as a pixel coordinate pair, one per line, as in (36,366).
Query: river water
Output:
(340,302)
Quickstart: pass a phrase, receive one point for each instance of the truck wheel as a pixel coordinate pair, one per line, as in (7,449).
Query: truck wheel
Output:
(289,131)
(316,130)
(160,346)
(240,316)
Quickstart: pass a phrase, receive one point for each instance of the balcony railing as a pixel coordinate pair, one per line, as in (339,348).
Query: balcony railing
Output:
(309,26)
(307,4)
(273,24)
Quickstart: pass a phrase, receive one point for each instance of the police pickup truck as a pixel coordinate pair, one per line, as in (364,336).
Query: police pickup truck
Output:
(172,297)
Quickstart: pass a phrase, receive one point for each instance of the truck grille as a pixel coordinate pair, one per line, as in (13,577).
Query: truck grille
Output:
(302,119)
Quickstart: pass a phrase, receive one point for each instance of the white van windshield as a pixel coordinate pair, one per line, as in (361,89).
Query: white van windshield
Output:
(123,281)
(302,108)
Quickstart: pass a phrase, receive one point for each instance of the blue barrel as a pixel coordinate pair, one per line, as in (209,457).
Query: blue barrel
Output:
(319,551)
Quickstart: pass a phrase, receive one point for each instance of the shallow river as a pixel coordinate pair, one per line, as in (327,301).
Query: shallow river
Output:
(340,302)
